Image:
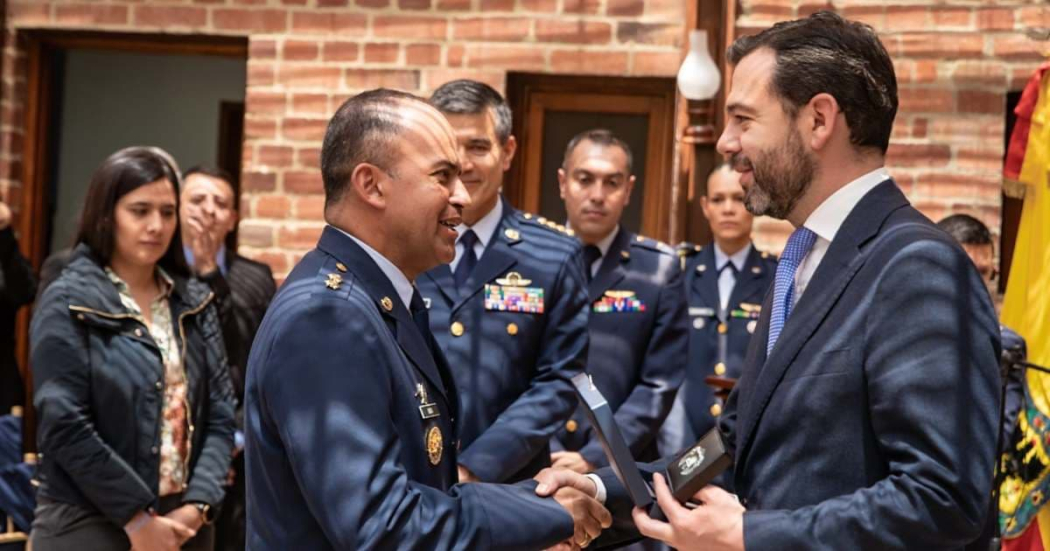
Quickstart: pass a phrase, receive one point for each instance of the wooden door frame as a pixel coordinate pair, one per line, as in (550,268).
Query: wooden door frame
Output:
(42,45)
(531,95)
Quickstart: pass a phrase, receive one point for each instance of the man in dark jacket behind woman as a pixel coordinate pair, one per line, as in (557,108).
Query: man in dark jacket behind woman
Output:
(132,389)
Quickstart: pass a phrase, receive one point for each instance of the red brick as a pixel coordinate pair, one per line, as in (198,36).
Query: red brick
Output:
(489,6)
(249,2)
(300,50)
(979,72)
(918,155)
(656,34)
(309,207)
(251,234)
(585,7)
(413,4)
(261,74)
(589,62)
(625,8)
(867,14)
(975,101)
(87,14)
(987,158)
(1017,47)
(1033,16)
(364,79)
(261,48)
(310,156)
(807,8)
(275,156)
(513,58)
(340,51)
(665,9)
(170,16)
(492,29)
(456,54)
(920,71)
(22,13)
(1020,74)
(437,77)
(947,45)
(945,16)
(659,64)
(299,238)
(926,100)
(304,129)
(308,76)
(575,32)
(310,104)
(333,3)
(423,54)
(907,18)
(920,127)
(265,103)
(954,185)
(419,28)
(995,19)
(259,128)
(373,3)
(544,6)
(453,5)
(382,52)
(329,22)
(273,206)
(278,262)
(967,130)
(258,181)
(780,9)
(263,21)
(303,182)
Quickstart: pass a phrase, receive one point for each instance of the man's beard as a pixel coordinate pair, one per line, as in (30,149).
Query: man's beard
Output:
(779,177)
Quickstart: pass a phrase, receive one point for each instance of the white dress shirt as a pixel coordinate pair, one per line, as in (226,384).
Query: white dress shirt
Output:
(402,286)
(484,229)
(727,278)
(826,221)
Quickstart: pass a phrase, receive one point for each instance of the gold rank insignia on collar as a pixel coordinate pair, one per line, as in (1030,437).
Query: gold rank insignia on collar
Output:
(512,234)
(513,279)
(334,281)
(386,303)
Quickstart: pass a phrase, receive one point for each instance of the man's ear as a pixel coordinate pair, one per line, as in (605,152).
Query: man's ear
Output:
(630,188)
(562,177)
(368,185)
(823,118)
(509,148)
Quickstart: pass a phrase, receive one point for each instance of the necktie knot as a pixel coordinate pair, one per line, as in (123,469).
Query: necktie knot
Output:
(468,239)
(728,266)
(591,253)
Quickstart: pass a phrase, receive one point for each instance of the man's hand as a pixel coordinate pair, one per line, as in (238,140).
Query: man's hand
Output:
(466,476)
(552,479)
(203,243)
(156,533)
(5,216)
(572,461)
(717,524)
(188,516)
(571,488)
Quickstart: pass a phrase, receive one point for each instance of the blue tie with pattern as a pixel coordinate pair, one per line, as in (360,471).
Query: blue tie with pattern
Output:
(798,245)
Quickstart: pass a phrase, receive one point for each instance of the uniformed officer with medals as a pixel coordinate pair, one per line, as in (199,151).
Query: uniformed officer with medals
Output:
(725,283)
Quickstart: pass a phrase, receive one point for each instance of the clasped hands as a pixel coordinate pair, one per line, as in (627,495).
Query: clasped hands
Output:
(717,523)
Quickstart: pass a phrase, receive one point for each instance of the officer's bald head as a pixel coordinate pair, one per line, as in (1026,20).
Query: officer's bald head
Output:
(363,130)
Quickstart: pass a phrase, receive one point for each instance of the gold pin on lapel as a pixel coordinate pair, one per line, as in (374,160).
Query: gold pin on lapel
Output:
(334,281)
(701,268)
(340,266)
(756,270)
(387,304)
(512,234)
(625,255)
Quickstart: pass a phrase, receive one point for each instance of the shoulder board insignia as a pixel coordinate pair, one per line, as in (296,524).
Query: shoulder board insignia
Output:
(334,281)
(512,234)
(527,215)
(513,279)
(640,239)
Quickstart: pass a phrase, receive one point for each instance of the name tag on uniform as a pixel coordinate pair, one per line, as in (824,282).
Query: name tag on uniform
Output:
(505,298)
(618,301)
(699,311)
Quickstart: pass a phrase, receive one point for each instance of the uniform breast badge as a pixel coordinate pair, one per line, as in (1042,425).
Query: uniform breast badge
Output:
(513,294)
(427,409)
(435,444)
(618,301)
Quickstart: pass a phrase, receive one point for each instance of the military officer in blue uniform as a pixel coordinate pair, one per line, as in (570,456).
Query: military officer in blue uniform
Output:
(509,310)
(725,283)
(636,301)
(351,409)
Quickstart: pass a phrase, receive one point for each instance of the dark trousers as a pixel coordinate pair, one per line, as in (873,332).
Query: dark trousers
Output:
(61,526)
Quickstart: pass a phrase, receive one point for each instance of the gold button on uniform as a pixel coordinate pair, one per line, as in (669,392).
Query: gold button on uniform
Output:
(571,425)
(716,410)
(722,329)
(457,329)
(340,266)
(720,368)
(512,329)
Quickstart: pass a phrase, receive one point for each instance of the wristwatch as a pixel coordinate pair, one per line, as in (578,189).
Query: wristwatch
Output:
(205,511)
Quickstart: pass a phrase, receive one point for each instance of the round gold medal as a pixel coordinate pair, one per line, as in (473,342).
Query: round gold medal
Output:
(435,444)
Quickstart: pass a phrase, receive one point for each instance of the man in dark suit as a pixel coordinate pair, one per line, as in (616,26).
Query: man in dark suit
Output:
(351,410)
(866,414)
(509,311)
(243,288)
(725,283)
(17,285)
(637,308)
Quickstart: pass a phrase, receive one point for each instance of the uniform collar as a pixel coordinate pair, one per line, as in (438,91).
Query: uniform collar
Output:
(738,258)
(402,285)
(485,228)
(829,216)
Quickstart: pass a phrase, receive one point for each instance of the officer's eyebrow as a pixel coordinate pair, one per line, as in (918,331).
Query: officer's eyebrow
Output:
(445,166)
(737,107)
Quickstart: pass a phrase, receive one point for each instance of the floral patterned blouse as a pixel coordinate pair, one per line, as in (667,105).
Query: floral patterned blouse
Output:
(174,442)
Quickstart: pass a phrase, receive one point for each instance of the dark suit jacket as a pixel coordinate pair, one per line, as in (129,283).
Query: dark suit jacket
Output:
(513,369)
(872,424)
(638,346)
(338,454)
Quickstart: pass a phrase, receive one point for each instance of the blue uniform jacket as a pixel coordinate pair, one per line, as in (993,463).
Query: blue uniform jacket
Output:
(338,452)
(514,341)
(872,423)
(638,344)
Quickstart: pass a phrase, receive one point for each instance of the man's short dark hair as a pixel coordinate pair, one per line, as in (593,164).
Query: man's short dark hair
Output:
(824,53)
(361,131)
(966,229)
(217,173)
(470,97)
(602,137)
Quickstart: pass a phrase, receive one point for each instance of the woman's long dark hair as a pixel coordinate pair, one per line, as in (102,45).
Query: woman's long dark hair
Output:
(120,174)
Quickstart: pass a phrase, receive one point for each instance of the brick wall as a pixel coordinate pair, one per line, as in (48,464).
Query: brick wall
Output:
(955,61)
(307,56)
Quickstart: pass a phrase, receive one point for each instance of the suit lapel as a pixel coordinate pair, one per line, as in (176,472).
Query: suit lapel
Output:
(748,281)
(497,260)
(610,270)
(838,267)
(705,280)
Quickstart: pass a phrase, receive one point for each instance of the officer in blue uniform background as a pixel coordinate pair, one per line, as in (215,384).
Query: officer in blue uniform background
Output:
(637,305)
(351,409)
(509,311)
(725,283)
